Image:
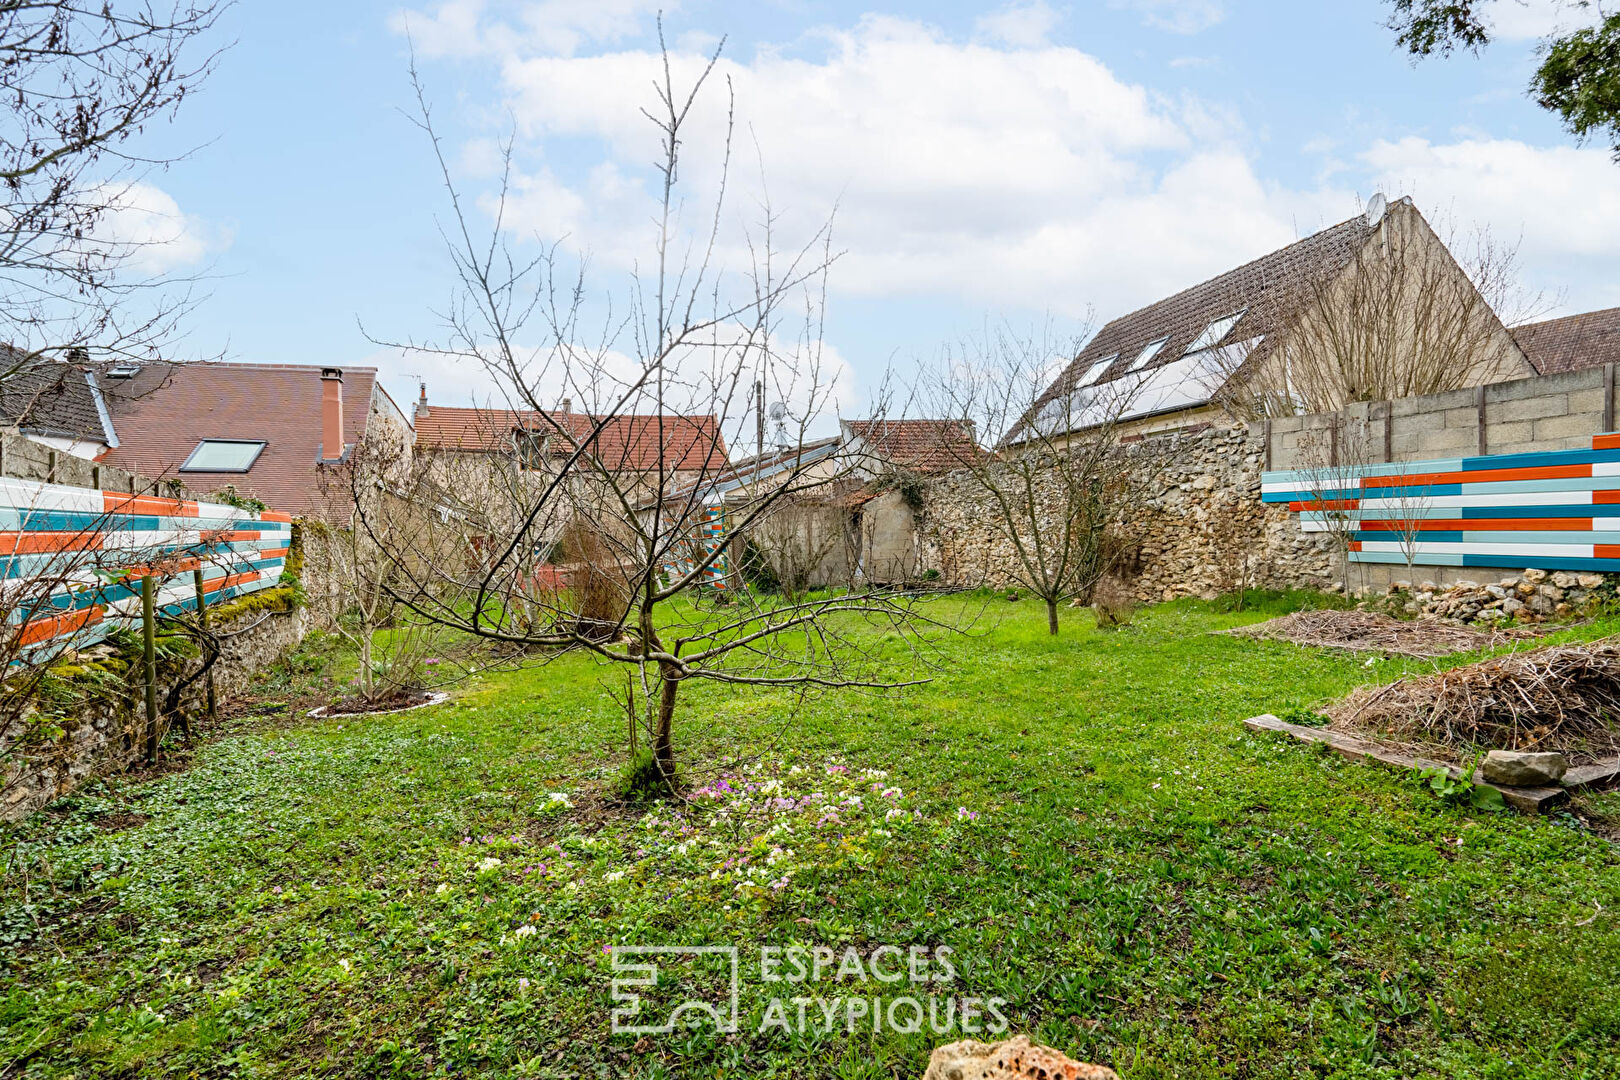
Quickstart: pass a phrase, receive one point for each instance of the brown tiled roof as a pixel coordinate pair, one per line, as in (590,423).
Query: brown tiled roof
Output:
(48,397)
(918,445)
(1572,342)
(639,442)
(159,425)
(1265,290)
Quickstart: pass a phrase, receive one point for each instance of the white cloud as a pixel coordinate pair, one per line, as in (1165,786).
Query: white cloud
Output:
(1022,24)
(1561,203)
(1523,19)
(466,28)
(146,223)
(1176,16)
(1030,176)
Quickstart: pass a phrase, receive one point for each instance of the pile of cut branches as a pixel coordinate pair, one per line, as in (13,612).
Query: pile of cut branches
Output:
(1566,698)
(1371,632)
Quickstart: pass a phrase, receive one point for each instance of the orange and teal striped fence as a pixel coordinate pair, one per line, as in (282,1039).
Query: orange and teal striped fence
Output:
(72,559)
(1551,510)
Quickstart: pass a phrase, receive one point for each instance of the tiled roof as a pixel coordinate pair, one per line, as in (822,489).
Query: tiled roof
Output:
(165,411)
(639,442)
(1572,342)
(918,445)
(1265,290)
(48,397)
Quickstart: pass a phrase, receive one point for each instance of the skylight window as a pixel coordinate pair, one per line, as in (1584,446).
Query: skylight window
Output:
(1149,351)
(1095,371)
(223,455)
(1216,332)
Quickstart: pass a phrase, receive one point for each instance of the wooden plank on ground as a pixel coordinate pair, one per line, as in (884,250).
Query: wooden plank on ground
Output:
(1530,800)
(1602,774)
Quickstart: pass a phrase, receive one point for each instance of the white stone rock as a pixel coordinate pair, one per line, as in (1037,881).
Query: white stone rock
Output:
(1518,768)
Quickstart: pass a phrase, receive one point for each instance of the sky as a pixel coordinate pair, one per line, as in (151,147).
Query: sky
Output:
(1033,163)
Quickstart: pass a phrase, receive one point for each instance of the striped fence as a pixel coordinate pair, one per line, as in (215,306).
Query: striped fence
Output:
(710,532)
(1552,510)
(72,558)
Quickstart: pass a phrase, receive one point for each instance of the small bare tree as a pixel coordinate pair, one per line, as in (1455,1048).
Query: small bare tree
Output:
(662,391)
(1063,493)
(1331,456)
(81,82)
(378,506)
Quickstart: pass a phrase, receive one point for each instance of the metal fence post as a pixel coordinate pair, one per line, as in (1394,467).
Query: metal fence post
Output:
(149,656)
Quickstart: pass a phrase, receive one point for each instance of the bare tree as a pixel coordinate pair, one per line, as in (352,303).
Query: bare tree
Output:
(663,388)
(81,82)
(1330,460)
(1063,494)
(1407,312)
(355,567)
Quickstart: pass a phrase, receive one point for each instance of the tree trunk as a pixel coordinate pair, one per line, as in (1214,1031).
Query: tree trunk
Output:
(664,735)
(367,687)
(1051,616)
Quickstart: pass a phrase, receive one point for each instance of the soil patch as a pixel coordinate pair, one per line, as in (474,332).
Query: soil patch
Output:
(398,701)
(1372,632)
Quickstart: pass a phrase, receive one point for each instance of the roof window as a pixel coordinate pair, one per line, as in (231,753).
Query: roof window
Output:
(1216,331)
(1095,371)
(223,455)
(1149,351)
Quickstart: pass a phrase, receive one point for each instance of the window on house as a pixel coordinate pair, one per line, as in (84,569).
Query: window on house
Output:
(1149,351)
(531,449)
(223,455)
(1216,332)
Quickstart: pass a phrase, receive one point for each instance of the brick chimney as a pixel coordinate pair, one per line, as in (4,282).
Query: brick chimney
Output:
(331,414)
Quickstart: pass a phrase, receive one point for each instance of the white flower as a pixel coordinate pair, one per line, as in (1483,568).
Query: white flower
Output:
(489,863)
(523,931)
(615,875)
(442,889)
(344,964)
(559,797)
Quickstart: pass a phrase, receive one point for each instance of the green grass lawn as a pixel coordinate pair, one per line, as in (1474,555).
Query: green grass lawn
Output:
(1084,823)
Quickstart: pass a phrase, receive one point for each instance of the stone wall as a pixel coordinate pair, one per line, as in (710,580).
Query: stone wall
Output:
(1201,530)
(106,737)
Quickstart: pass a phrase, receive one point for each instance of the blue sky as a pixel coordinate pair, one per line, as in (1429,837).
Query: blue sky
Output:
(987,161)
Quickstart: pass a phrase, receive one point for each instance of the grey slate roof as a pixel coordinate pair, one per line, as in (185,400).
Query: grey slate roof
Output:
(1269,288)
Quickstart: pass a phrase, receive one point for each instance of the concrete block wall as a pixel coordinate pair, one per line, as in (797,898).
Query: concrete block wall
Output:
(24,459)
(1543,412)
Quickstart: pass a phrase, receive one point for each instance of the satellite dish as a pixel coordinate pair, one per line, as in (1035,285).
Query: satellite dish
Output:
(1375,210)
(778,411)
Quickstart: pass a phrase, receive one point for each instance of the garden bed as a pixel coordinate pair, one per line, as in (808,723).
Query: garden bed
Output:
(403,701)
(1371,632)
